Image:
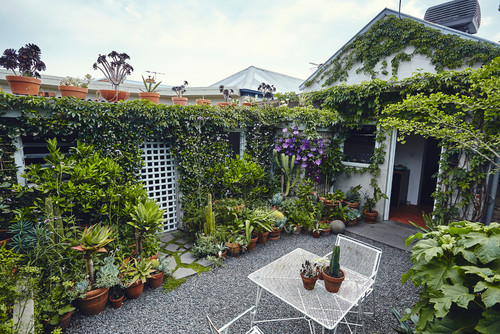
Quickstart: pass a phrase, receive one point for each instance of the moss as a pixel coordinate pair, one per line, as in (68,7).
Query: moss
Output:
(171,284)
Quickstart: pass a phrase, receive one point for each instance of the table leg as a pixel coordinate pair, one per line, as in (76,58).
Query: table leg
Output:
(257,300)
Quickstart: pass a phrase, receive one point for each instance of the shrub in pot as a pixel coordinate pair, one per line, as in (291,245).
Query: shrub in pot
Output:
(135,272)
(115,70)
(147,218)
(370,202)
(353,197)
(27,61)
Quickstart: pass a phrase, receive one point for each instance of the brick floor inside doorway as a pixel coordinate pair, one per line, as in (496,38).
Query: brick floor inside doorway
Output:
(406,213)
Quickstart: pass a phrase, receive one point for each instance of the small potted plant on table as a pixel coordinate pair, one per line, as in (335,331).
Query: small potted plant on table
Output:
(75,87)
(150,94)
(333,275)
(309,274)
(115,71)
(179,90)
(27,60)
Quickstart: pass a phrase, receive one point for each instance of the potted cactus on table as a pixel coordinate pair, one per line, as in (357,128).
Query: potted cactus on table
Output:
(309,274)
(333,275)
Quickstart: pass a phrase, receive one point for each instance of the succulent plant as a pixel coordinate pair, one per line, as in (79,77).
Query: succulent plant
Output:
(26,59)
(309,269)
(226,92)
(334,270)
(179,90)
(116,69)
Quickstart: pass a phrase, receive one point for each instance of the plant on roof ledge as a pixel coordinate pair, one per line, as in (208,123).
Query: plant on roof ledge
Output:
(115,70)
(179,90)
(226,92)
(27,61)
(150,93)
(267,91)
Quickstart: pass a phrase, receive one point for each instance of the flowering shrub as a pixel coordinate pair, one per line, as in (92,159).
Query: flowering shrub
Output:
(308,153)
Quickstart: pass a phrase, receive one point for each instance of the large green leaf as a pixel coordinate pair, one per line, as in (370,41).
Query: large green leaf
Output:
(426,250)
(458,294)
(490,324)
(489,249)
(491,296)
(461,325)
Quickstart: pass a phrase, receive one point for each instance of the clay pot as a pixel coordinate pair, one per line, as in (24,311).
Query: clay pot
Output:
(351,222)
(233,249)
(309,283)
(117,303)
(134,291)
(225,104)
(316,234)
(182,101)
(326,232)
(78,92)
(262,237)
(203,102)
(111,95)
(352,205)
(23,85)
(153,97)
(275,234)
(297,229)
(95,302)
(63,323)
(156,280)
(223,255)
(332,284)
(253,241)
(370,216)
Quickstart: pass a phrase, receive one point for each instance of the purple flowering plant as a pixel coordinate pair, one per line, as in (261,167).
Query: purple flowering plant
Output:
(309,153)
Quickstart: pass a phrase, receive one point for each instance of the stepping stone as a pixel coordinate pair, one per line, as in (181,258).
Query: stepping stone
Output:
(181,241)
(167,237)
(187,258)
(172,264)
(183,272)
(188,245)
(172,247)
(205,263)
(182,250)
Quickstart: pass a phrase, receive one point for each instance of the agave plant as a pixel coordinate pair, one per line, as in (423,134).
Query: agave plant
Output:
(93,240)
(146,218)
(116,69)
(148,83)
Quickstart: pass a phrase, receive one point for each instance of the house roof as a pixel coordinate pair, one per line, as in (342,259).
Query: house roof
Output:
(251,77)
(390,12)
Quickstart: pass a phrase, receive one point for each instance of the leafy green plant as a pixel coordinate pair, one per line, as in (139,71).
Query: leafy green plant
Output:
(148,84)
(353,195)
(456,266)
(108,274)
(370,202)
(287,166)
(403,326)
(26,236)
(135,270)
(56,299)
(262,219)
(352,214)
(204,245)
(147,217)
(341,212)
(77,82)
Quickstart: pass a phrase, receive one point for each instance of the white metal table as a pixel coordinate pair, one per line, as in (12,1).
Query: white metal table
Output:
(282,279)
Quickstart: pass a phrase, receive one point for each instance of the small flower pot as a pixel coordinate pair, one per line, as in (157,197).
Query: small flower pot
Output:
(23,85)
(78,92)
(297,229)
(182,101)
(316,234)
(156,280)
(63,323)
(117,302)
(275,234)
(326,232)
(351,222)
(253,241)
(94,302)
(332,284)
(111,95)
(370,216)
(352,205)
(134,291)
(233,249)
(203,102)
(153,97)
(308,283)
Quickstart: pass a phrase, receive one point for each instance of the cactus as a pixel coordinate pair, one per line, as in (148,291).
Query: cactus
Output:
(287,166)
(209,227)
(334,263)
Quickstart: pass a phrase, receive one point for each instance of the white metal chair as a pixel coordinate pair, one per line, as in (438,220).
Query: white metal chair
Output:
(224,329)
(360,257)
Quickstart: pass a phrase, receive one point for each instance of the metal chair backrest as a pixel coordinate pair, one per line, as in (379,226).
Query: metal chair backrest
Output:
(358,256)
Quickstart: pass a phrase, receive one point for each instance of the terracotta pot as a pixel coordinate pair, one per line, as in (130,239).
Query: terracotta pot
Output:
(326,232)
(182,101)
(370,216)
(351,222)
(203,102)
(223,255)
(309,283)
(63,323)
(4,237)
(253,241)
(352,205)
(154,257)
(156,280)
(233,249)
(134,291)
(275,234)
(262,237)
(225,104)
(78,92)
(297,229)
(246,104)
(117,303)
(23,85)
(316,234)
(332,284)
(95,302)
(153,97)
(111,95)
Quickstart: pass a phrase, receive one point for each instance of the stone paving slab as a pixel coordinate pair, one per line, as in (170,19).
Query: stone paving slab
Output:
(187,258)
(188,245)
(171,264)
(183,272)
(204,262)
(167,237)
(172,247)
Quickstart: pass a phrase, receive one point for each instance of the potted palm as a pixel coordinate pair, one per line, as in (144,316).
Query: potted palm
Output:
(115,70)
(179,90)
(76,87)
(309,274)
(333,275)
(150,94)
(147,217)
(227,95)
(94,297)
(27,61)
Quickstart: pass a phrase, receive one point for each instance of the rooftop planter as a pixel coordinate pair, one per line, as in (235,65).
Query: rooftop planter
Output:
(115,70)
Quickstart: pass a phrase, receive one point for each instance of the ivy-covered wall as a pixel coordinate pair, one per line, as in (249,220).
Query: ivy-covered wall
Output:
(395,47)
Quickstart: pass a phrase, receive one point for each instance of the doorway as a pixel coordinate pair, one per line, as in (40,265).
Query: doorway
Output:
(415,164)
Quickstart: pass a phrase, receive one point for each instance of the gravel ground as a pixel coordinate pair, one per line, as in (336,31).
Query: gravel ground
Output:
(225,292)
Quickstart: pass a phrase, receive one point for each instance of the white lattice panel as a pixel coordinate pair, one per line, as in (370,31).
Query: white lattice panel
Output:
(159,177)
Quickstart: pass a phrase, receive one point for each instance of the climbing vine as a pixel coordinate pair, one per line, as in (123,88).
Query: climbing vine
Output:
(402,39)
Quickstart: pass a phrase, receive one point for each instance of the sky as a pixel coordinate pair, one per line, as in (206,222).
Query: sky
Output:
(201,41)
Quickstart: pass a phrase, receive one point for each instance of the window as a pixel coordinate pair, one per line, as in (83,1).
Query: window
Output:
(359,145)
